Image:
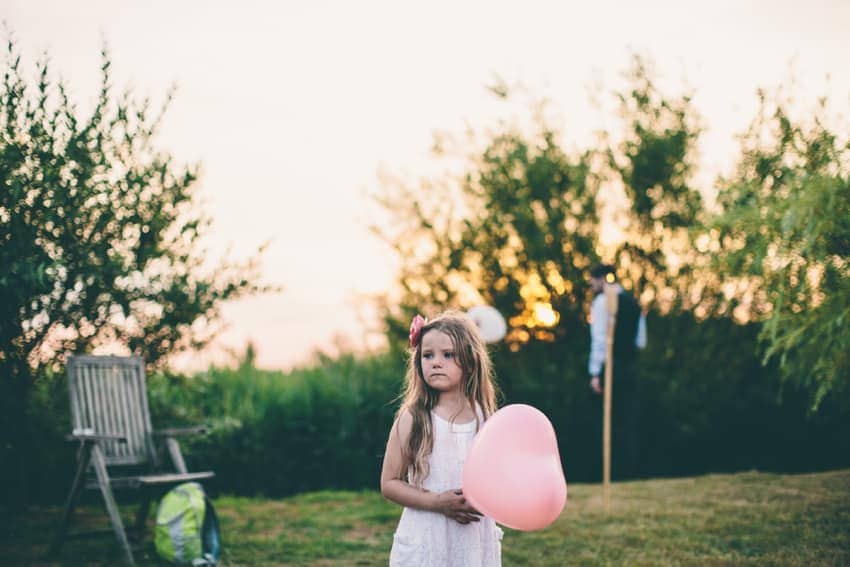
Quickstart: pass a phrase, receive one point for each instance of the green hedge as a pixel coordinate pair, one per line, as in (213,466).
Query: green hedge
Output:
(707,406)
(275,433)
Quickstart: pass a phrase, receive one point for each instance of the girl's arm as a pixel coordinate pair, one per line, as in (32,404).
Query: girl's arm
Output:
(395,488)
(393,485)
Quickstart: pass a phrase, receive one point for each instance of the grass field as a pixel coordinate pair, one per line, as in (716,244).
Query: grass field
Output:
(741,519)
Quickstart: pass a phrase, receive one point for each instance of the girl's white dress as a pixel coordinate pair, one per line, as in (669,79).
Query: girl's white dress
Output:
(432,539)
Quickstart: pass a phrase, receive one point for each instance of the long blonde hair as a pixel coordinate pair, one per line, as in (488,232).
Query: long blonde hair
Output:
(478,383)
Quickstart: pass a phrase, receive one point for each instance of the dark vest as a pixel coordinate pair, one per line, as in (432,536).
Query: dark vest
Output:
(626,328)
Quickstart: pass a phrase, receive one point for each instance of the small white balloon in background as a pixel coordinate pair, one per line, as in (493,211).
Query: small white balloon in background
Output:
(490,323)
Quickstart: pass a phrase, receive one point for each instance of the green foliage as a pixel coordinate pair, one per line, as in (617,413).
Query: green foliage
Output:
(99,237)
(707,405)
(275,433)
(654,164)
(785,231)
(532,231)
(516,231)
(519,229)
(98,240)
(655,160)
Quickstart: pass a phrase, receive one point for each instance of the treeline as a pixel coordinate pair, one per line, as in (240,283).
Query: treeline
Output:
(708,405)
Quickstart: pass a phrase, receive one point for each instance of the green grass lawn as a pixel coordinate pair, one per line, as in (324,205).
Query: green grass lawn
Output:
(741,519)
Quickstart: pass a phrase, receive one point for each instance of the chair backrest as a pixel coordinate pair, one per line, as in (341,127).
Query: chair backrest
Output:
(108,396)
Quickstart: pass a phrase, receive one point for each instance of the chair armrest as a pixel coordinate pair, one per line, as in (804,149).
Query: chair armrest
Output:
(174,447)
(179,431)
(90,435)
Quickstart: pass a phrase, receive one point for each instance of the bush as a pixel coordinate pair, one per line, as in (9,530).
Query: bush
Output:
(276,434)
(707,405)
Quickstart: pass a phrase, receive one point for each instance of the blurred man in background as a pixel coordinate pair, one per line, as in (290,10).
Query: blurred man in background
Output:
(629,337)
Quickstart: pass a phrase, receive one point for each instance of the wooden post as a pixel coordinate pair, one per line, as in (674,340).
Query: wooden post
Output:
(611,293)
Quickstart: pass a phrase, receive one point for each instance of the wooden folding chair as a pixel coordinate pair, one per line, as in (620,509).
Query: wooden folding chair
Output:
(111,422)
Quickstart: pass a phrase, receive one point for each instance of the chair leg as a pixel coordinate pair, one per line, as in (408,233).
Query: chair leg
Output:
(142,512)
(83,457)
(111,506)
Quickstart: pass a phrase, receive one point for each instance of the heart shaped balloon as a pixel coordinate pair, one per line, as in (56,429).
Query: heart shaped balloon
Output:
(513,470)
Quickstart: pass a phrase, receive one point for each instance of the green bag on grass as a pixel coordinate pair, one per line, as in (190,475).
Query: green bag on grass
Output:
(186,527)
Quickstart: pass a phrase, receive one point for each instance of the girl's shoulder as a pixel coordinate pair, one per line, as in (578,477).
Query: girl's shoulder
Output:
(482,413)
(404,423)
(404,414)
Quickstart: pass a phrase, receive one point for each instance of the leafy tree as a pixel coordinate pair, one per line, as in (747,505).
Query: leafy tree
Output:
(515,230)
(99,237)
(785,234)
(654,164)
(520,227)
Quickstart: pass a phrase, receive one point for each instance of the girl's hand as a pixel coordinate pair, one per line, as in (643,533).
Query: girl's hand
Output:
(452,503)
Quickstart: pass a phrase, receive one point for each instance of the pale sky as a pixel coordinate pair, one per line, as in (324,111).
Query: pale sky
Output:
(292,108)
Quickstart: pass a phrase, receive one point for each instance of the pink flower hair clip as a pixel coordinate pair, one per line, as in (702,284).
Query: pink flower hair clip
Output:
(416,330)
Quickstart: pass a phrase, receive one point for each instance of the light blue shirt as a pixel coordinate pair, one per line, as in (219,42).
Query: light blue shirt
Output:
(599,330)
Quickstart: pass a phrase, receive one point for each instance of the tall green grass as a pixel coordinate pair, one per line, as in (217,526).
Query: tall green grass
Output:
(276,433)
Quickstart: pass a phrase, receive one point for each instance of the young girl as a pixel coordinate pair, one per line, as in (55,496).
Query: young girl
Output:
(449,394)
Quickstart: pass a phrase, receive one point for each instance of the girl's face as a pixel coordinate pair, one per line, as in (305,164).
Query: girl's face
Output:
(440,366)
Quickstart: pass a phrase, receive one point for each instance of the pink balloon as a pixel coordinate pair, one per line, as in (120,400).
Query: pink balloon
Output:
(513,470)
